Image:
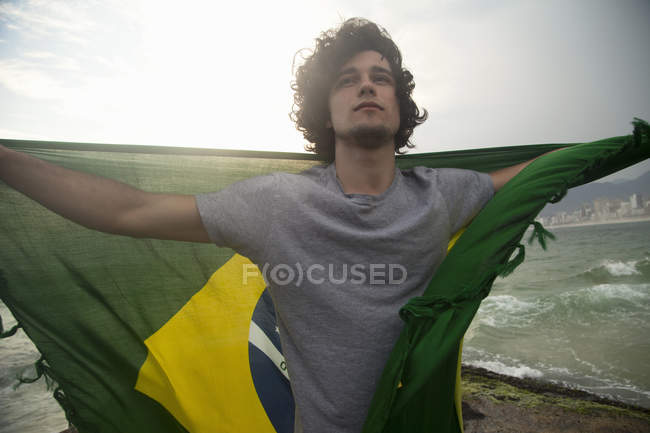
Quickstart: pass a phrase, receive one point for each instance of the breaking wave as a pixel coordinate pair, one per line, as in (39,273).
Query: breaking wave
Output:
(617,270)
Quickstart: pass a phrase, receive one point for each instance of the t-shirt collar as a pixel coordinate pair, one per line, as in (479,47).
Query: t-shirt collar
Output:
(336,186)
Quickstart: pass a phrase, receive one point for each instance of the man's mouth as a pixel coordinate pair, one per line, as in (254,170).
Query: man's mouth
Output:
(368,105)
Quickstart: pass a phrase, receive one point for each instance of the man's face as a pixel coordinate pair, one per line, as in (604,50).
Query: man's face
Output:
(362,102)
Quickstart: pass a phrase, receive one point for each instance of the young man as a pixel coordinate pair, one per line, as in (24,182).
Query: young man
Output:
(368,235)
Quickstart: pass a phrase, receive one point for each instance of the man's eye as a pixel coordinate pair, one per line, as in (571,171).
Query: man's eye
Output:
(382,79)
(346,81)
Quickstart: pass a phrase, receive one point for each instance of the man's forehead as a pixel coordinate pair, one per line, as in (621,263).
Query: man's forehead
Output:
(366,60)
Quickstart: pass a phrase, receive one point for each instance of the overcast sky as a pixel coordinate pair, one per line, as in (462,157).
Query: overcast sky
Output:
(217,74)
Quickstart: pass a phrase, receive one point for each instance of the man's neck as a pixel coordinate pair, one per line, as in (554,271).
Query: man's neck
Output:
(365,171)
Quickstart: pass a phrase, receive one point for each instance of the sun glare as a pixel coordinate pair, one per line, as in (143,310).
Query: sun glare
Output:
(202,74)
(212,76)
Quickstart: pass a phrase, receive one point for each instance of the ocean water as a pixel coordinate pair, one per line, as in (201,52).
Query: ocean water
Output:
(577,314)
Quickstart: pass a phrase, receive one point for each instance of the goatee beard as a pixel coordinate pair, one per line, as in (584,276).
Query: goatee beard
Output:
(369,137)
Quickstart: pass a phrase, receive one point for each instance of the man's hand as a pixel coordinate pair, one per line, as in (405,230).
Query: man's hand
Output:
(103,204)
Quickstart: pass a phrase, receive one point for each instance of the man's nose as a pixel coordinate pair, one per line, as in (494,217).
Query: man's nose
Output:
(367,88)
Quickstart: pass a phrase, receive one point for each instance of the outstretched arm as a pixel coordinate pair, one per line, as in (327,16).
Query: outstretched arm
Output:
(103,204)
(501,177)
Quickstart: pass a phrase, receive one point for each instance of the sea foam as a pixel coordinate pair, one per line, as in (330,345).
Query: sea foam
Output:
(501,368)
(620,269)
(626,292)
(507,310)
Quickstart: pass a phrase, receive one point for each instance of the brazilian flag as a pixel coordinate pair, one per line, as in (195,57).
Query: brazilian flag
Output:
(159,336)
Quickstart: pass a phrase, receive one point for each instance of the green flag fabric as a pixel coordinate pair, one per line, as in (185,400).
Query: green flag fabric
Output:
(158,336)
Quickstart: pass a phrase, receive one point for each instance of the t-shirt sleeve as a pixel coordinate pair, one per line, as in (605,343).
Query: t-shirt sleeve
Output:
(466,192)
(239,216)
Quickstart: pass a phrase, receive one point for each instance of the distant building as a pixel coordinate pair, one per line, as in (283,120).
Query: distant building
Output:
(585,211)
(624,210)
(602,209)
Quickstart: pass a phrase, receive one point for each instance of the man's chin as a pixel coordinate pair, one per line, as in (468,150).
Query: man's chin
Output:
(370,136)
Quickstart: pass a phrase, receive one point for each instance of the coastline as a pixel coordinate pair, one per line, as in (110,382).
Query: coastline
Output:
(600,223)
(496,403)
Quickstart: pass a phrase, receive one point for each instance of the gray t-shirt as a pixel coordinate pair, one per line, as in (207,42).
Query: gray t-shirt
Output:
(339,267)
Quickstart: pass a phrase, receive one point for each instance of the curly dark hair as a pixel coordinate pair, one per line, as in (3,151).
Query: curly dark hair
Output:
(315,77)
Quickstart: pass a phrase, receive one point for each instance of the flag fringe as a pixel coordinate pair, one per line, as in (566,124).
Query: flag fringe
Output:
(8,333)
(41,367)
(541,234)
(508,268)
(14,329)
